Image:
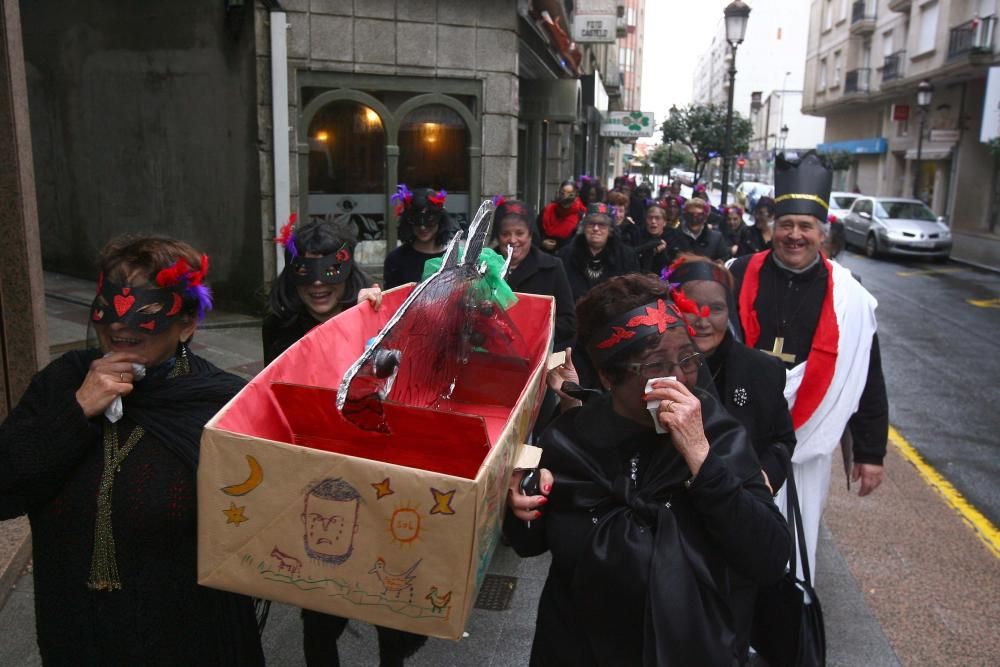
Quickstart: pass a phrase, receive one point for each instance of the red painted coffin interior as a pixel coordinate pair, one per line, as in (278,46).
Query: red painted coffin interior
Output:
(294,399)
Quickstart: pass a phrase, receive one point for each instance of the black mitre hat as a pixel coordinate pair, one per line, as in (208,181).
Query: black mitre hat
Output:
(802,186)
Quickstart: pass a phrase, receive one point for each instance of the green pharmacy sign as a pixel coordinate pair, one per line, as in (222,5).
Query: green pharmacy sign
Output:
(628,124)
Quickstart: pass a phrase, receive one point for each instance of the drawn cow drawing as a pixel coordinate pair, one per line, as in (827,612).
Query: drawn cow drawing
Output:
(286,563)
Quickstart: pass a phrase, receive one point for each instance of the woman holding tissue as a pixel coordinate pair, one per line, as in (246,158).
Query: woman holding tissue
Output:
(101,453)
(651,498)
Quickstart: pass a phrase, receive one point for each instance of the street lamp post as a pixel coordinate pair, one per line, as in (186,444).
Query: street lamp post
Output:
(737,13)
(924,92)
(784,136)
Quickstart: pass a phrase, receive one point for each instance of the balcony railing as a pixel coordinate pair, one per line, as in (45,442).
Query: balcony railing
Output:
(858,80)
(972,37)
(862,11)
(899,5)
(892,68)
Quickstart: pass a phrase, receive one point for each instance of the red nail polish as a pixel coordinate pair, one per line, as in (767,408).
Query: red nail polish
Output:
(543,501)
(538,514)
(547,488)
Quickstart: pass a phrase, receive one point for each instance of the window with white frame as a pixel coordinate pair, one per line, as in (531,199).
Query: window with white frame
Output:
(835,81)
(928,27)
(828,15)
(821,78)
(844,4)
(887,44)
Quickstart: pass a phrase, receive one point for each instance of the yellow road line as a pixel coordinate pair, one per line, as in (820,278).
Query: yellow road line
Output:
(985,303)
(983,527)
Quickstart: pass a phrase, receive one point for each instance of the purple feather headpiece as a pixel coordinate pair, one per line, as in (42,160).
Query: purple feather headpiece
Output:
(287,236)
(402,199)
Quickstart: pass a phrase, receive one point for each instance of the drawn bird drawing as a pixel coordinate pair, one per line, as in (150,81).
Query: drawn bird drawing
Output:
(438,600)
(392,582)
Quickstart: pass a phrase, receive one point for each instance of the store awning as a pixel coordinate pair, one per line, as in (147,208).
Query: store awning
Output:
(872,146)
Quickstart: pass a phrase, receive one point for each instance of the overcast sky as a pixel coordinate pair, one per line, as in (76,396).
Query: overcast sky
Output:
(676,33)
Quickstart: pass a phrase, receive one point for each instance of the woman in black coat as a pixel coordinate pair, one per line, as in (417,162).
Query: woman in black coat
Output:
(532,271)
(596,254)
(101,453)
(749,382)
(646,529)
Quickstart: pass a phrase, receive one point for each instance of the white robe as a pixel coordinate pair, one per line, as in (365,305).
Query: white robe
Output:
(819,436)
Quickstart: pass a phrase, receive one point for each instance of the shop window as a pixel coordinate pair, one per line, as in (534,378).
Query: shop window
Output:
(434,149)
(346,150)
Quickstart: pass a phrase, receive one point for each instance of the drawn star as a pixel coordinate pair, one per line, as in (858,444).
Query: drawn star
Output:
(442,501)
(382,489)
(235,514)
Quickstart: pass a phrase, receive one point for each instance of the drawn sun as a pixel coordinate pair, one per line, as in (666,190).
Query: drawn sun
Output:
(405,524)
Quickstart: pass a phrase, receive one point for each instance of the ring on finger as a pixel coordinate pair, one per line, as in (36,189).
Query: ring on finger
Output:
(121,376)
(668,407)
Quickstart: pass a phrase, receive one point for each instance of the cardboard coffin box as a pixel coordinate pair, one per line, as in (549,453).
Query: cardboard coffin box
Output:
(297,505)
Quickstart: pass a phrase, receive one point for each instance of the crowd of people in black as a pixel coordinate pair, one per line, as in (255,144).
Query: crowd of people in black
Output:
(666,436)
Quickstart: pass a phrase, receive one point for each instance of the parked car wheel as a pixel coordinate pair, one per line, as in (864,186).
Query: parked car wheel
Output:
(871,246)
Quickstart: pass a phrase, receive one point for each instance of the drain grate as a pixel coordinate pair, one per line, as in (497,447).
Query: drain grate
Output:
(496,592)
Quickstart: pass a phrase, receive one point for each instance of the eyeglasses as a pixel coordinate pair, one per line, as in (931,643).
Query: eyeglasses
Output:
(655,369)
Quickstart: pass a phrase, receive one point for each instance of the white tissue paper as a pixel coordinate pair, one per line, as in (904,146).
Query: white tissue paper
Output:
(115,411)
(653,406)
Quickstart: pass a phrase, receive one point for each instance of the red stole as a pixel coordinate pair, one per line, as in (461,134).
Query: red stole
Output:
(823,353)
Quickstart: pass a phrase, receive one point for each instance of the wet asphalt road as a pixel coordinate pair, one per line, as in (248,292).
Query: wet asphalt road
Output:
(939,330)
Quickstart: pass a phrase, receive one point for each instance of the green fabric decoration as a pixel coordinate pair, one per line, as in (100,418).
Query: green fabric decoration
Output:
(491,286)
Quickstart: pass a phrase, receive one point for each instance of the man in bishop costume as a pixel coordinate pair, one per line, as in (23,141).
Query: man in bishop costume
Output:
(812,314)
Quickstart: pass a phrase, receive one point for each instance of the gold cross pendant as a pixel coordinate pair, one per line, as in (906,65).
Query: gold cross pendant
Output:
(776,351)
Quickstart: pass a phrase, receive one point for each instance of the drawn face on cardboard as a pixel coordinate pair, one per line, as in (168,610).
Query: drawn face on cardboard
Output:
(330,521)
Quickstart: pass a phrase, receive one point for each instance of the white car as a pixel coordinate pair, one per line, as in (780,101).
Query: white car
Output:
(893,225)
(840,205)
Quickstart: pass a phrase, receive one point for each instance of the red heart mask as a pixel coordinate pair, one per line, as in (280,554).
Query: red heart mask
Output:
(123,303)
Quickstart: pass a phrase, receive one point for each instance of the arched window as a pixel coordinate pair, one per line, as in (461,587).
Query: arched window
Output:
(346,150)
(434,149)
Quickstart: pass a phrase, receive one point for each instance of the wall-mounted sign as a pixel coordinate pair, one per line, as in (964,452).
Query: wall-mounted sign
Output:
(944,136)
(594,28)
(901,112)
(628,124)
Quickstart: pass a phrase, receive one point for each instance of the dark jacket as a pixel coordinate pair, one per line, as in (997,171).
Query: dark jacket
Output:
(734,237)
(541,273)
(753,241)
(751,385)
(585,270)
(709,243)
(651,261)
(404,265)
(642,555)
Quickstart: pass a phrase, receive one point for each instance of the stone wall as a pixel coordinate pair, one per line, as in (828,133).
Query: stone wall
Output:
(142,120)
(473,40)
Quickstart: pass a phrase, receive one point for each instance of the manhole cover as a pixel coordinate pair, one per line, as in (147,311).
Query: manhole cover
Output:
(496,592)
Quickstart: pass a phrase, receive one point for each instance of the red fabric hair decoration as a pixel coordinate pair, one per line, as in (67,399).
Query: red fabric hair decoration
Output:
(618,334)
(499,200)
(180,275)
(438,198)
(287,236)
(403,199)
(658,317)
(686,305)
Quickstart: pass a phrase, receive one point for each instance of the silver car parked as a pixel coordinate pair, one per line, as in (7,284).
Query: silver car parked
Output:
(897,226)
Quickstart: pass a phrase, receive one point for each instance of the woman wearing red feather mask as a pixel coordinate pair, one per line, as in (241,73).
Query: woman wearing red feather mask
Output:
(101,453)
(651,499)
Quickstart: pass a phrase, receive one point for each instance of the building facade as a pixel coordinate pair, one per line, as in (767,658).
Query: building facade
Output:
(865,61)
(770,67)
(213,121)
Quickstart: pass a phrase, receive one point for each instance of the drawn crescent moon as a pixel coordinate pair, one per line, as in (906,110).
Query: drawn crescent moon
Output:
(251,483)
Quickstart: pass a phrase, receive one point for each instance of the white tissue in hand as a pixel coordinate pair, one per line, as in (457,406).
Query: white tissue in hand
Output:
(115,411)
(654,405)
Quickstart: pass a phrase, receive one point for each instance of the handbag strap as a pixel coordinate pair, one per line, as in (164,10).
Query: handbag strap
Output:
(795,519)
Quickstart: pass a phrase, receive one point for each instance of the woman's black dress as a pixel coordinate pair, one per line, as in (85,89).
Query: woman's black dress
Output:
(51,462)
(641,560)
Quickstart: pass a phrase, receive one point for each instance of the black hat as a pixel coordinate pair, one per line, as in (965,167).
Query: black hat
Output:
(597,210)
(802,187)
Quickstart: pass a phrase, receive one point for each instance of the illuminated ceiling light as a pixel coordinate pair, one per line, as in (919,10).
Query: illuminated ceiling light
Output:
(323,136)
(371,117)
